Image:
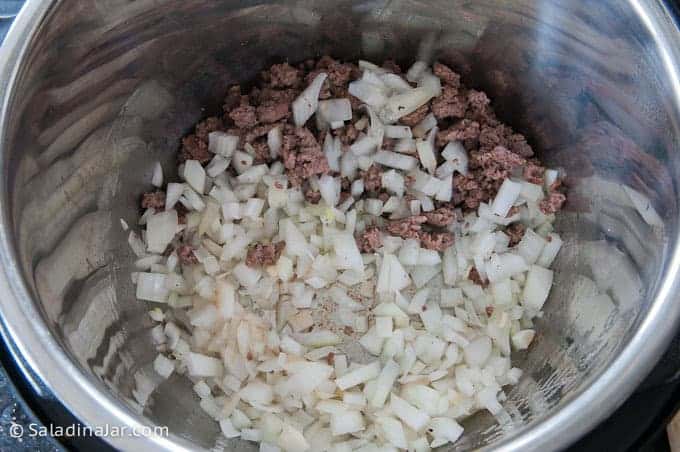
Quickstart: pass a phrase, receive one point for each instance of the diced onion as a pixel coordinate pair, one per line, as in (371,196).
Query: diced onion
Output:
(333,110)
(157,177)
(222,143)
(307,102)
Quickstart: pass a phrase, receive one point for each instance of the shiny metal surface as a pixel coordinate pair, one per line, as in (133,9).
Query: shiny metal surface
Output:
(94,91)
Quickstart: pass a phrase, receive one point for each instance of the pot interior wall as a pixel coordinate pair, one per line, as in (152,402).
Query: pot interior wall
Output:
(110,86)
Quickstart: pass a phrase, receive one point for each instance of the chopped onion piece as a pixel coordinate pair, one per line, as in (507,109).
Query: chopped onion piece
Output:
(426,155)
(409,415)
(392,276)
(160,230)
(455,154)
(241,161)
(416,71)
(522,339)
(383,386)
(444,428)
(330,189)
(152,287)
(478,351)
(217,166)
(424,126)
(537,287)
(393,431)
(346,422)
(531,246)
(199,365)
(157,177)
(252,175)
(368,93)
(292,440)
(395,160)
(405,146)
(403,104)
(506,197)
(358,376)
(550,250)
(308,101)
(347,255)
(395,82)
(228,429)
(333,110)
(445,192)
(332,150)
(426,184)
(274,141)
(397,131)
(194,174)
(222,143)
(393,182)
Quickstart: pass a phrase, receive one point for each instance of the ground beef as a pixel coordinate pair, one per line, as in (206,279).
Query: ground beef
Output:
(447,75)
(262,154)
(339,74)
(463,130)
(262,254)
(302,155)
(449,104)
(414,118)
(491,168)
(312,196)
(232,99)
(407,228)
(369,240)
(478,101)
(210,124)
(492,135)
(273,111)
(193,148)
(372,178)
(347,134)
(518,144)
(186,255)
(259,131)
(499,158)
(468,191)
(534,173)
(552,203)
(244,116)
(438,241)
(268,94)
(181,213)
(488,170)
(442,216)
(515,231)
(476,278)
(284,76)
(153,200)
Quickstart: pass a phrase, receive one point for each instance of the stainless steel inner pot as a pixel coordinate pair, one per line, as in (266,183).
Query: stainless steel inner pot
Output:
(94,91)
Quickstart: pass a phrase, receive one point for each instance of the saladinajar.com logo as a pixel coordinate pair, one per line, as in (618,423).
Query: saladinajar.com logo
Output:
(77,430)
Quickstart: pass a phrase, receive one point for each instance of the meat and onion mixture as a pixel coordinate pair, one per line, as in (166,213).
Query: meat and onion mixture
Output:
(349,259)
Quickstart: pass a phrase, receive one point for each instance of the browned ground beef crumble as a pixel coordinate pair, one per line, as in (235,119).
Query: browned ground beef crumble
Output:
(495,150)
